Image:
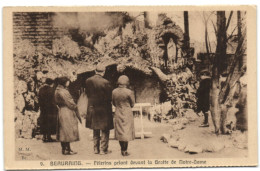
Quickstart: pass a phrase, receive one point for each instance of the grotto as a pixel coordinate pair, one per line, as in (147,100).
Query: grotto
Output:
(147,88)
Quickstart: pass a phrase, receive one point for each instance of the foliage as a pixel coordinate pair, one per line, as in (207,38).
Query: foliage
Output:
(155,51)
(106,45)
(25,58)
(87,54)
(127,42)
(65,48)
(24,48)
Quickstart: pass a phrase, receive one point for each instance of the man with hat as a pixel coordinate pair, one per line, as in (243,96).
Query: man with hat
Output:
(203,95)
(99,112)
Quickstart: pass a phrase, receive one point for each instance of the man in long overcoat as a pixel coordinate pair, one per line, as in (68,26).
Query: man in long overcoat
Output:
(99,112)
(203,95)
(49,111)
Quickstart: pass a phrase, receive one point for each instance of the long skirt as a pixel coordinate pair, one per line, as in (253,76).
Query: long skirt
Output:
(48,122)
(124,126)
(67,130)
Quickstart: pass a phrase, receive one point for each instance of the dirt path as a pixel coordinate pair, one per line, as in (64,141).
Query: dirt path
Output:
(148,148)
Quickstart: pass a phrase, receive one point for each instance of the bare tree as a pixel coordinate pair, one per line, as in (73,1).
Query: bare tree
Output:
(219,96)
(218,68)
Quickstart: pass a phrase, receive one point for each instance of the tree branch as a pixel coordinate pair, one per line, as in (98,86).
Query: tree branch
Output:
(229,19)
(239,51)
(215,29)
(231,35)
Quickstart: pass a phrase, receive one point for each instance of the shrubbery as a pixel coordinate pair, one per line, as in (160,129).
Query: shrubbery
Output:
(124,42)
(65,48)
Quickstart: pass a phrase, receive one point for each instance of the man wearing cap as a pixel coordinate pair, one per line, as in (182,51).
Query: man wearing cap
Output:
(203,94)
(99,112)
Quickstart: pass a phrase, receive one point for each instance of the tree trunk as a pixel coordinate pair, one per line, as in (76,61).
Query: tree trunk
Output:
(239,35)
(214,109)
(186,28)
(206,41)
(221,42)
(218,117)
(146,20)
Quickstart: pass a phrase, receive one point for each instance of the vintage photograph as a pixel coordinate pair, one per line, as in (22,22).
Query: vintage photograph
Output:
(130,88)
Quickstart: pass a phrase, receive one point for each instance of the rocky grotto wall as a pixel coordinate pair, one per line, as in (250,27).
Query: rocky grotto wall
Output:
(147,88)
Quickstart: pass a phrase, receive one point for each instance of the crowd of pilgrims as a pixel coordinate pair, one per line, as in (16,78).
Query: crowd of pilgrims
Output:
(59,114)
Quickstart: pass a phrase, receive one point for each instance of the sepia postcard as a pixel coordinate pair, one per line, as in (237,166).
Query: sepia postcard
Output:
(129,87)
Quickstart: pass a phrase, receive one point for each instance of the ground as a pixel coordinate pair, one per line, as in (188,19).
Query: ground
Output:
(148,148)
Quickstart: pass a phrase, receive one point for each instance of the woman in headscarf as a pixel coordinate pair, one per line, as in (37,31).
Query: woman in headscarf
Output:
(67,130)
(123,100)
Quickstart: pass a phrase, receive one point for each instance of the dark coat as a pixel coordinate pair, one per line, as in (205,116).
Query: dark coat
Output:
(123,100)
(203,94)
(67,120)
(49,110)
(99,113)
(242,115)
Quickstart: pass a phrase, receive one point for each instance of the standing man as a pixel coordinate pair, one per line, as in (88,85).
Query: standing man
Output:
(49,111)
(99,113)
(203,95)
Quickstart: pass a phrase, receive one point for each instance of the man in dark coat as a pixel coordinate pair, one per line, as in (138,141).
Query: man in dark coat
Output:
(203,95)
(99,112)
(49,111)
